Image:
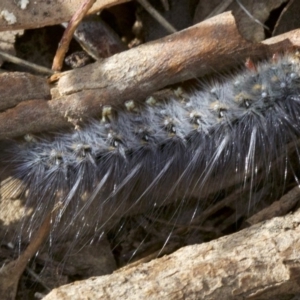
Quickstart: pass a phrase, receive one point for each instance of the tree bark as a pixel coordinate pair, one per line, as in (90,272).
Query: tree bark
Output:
(259,262)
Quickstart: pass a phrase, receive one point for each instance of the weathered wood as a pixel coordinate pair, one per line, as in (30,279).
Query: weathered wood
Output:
(41,13)
(16,87)
(256,263)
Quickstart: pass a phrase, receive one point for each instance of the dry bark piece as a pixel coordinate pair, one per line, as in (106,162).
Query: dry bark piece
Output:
(41,13)
(97,38)
(232,267)
(78,59)
(16,87)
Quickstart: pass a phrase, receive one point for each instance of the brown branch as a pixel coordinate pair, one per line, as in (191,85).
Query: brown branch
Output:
(232,267)
(45,13)
(25,63)
(11,273)
(63,46)
(214,44)
(16,87)
(157,16)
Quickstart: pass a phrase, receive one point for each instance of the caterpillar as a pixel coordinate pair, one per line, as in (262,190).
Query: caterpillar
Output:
(239,131)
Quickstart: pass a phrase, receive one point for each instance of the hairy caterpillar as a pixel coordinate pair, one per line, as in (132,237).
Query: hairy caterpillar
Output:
(242,131)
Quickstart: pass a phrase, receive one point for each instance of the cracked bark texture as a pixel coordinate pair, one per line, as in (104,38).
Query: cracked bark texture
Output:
(260,262)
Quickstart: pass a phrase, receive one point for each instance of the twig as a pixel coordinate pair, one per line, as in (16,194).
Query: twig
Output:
(22,62)
(38,279)
(157,16)
(219,8)
(251,16)
(63,46)
(10,273)
(165,4)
